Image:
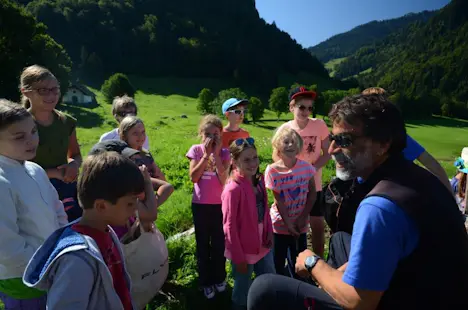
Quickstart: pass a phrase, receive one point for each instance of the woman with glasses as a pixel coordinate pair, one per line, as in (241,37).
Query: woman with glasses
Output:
(58,152)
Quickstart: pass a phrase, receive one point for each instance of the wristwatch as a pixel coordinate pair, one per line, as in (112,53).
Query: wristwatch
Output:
(311,261)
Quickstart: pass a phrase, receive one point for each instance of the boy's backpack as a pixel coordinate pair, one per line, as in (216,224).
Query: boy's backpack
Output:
(146,260)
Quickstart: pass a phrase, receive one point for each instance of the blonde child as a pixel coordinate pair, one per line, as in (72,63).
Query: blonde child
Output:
(293,186)
(234,109)
(208,171)
(314,132)
(132,131)
(121,107)
(29,206)
(245,216)
(59,152)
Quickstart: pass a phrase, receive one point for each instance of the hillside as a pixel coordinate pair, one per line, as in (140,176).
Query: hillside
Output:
(426,65)
(345,44)
(183,38)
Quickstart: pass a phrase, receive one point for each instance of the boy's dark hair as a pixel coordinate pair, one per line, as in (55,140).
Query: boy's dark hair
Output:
(11,112)
(108,176)
(380,119)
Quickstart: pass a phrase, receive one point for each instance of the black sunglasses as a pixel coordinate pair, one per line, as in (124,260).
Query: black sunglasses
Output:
(249,141)
(303,108)
(343,139)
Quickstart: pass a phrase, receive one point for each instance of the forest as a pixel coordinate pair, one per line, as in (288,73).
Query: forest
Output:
(424,66)
(421,59)
(347,43)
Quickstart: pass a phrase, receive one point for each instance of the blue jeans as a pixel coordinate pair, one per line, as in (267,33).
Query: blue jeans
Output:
(242,281)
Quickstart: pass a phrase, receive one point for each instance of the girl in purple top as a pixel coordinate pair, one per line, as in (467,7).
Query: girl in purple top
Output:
(209,163)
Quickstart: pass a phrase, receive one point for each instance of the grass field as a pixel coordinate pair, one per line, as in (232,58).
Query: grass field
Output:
(170,138)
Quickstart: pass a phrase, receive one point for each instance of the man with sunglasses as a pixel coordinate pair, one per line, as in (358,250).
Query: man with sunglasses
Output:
(396,249)
(234,109)
(314,133)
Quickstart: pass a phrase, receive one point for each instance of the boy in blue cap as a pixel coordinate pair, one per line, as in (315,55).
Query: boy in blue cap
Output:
(234,109)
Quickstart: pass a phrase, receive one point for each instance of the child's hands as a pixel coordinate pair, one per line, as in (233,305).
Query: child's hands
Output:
(292,229)
(69,171)
(145,173)
(301,222)
(217,145)
(208,146)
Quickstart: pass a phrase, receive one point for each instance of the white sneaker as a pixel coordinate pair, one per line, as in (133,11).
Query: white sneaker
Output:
(209,292)
(221,287)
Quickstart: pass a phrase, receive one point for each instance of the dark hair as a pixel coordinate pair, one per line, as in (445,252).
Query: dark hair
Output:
(108,176)
(236,151)
(380,119)
(11,112)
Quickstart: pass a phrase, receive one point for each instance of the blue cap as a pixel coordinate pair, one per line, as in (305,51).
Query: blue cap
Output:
(232,102)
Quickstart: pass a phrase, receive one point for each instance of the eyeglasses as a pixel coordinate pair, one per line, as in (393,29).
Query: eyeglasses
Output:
(343,139)
(238,112)
(249,141)
(303,108)
(46,91)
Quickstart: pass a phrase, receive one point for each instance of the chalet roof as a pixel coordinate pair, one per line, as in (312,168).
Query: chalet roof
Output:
(83,89)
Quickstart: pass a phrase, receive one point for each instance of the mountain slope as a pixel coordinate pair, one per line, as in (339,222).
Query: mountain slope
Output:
(211,38)
(426,61)
(345,44)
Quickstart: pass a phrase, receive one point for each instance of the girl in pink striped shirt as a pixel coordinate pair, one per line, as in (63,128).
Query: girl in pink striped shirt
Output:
(292,183)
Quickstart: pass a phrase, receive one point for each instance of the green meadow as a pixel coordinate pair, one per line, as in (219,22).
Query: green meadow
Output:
(171,135)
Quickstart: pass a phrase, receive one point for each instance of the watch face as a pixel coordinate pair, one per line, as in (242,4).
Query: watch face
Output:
(310,262)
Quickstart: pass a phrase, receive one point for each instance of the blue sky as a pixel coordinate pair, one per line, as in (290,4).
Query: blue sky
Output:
(313,21)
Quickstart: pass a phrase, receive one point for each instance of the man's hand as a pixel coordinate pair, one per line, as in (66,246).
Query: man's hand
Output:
(301,269)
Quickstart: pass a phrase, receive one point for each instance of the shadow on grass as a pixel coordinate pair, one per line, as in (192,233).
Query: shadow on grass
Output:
(85,117)
(269,127)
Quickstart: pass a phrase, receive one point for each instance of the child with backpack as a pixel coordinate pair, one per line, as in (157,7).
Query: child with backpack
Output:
(29,206)
(209,164)
(86,257)
(121,107)
(132,131)
(247,223)
(163,192)
(292,182)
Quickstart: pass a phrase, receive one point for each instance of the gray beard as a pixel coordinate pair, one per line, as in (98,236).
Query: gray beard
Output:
(344,175)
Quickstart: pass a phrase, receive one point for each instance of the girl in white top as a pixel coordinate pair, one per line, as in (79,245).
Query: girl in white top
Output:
(29,206)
